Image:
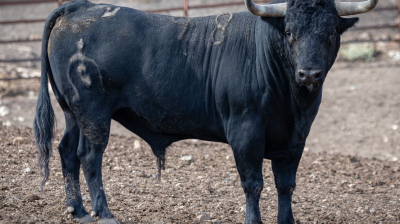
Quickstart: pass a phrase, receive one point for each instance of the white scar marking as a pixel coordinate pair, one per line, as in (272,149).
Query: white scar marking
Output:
(82,71)
(110,14)
(80,44)
(218,34)
(84,77)
(81,68)
(184,23)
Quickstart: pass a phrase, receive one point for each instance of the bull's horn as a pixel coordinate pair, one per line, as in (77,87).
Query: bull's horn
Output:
(353,8)
(271,10)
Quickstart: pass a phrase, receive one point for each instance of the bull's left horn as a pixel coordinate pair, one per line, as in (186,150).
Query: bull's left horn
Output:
(353,8)
(270,10)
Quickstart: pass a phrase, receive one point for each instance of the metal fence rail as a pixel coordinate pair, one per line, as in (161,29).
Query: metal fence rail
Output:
(185,9)
(32,2)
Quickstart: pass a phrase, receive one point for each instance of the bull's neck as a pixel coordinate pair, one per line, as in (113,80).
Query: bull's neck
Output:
(274,67)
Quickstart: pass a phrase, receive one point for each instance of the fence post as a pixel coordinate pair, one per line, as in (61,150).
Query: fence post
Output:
(398,12)
(398,17)
(186,7)
(60,2)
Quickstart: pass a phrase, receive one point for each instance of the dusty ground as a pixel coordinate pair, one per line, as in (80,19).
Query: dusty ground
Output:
(332,188)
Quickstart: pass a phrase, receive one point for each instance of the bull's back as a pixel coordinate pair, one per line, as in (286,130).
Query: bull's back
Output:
(135,60)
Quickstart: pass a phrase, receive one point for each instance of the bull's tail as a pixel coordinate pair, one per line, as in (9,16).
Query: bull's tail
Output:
(43,127)
(43,124)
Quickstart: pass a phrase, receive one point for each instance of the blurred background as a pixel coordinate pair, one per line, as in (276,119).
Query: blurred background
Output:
(360,113)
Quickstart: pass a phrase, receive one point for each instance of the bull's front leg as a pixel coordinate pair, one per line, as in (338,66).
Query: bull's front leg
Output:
(285,182)
(247,142)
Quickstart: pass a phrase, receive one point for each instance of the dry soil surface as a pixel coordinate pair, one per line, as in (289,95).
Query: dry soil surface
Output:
(331,188)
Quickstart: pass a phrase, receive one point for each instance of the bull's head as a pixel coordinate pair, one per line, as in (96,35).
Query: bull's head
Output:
(312,30)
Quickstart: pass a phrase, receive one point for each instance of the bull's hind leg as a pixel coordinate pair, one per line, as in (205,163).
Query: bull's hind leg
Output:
(70,167)
(92,143)
(91,105)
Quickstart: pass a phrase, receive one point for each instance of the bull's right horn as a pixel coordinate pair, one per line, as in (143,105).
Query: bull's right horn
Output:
(270,10)
(353,8)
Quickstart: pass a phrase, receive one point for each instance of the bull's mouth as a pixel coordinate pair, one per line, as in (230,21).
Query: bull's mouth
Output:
(312,87)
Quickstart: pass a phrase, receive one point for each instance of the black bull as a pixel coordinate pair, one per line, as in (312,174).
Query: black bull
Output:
(229,78)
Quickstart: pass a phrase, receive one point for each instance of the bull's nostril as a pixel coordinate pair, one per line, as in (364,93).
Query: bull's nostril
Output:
(318,75)
(301,74)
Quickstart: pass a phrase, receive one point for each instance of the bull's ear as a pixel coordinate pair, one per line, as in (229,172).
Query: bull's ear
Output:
(346,23)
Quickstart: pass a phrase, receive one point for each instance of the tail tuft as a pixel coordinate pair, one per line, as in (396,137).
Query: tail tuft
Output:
(43,128)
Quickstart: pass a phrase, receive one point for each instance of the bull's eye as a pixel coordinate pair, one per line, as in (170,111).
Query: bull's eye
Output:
(288,34)
(332,34)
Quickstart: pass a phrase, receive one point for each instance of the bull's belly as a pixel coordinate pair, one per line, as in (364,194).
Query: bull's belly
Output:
(160,123)
(276,150)
(283,150)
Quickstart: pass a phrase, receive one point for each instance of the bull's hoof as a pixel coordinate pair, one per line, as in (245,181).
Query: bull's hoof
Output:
(69,210)
(108,221)
(255,221)
(85,219)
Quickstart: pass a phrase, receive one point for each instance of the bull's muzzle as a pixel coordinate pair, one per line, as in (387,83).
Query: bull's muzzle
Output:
(312,78)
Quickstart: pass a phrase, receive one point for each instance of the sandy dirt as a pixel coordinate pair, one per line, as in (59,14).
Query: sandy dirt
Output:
(331,188)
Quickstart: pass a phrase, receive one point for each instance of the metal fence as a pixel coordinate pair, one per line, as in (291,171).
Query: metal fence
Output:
(184,8)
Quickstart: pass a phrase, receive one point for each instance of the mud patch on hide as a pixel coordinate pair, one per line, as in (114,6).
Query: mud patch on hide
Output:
(122,35)
(84,68)
(95,131)
(59,22)
(63,26)
(96,7)
(218,34)
(181,21)
(110,13)
(73,188)
(56,24)
(59,27)
(81,25)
